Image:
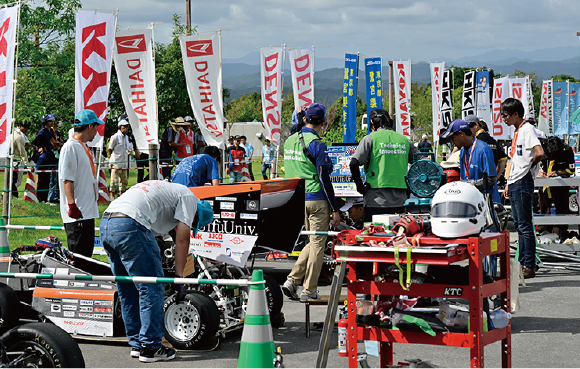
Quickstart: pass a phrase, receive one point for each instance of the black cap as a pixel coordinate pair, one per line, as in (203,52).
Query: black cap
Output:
(231,138)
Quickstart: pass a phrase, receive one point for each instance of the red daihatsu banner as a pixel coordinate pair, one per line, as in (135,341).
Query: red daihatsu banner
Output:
(95,40)
(8,24)
(203,76)
(136,74)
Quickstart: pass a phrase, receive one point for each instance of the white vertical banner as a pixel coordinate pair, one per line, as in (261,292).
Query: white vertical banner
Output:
(500,92)
(546,118)
(402,78)
(518,89)
(203,77)
(482,94)
(95,40)
(136,74)
(468,105)
(436,86)
(8,26)
(531,111)
(302,68)
(271,82)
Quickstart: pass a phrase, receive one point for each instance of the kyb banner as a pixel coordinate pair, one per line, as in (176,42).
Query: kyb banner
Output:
(402,77)
(136,74)
(349,90)
(436,86)
(302,68)
(546,118)
(468,100)
(204,80)
(271,81)
(95,40)
(482,96)
(8,25)
(373,67)
(500,92)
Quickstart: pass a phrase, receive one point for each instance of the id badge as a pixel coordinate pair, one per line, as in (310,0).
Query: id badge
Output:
(188,149)
(236,161)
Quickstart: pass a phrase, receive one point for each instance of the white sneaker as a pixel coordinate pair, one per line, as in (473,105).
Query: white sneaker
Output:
(290,289)
(304,297)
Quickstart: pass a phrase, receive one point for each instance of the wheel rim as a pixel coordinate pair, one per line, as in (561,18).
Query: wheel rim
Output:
(182,321)
(32,355)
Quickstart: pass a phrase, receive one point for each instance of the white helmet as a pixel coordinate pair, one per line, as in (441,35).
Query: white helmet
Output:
(457,210)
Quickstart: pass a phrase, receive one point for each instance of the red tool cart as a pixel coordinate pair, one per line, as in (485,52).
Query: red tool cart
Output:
(433,251)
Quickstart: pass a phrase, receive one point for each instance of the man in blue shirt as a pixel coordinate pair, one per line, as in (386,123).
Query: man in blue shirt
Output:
(268,154)
(475,159)
(197,170)
(249,154)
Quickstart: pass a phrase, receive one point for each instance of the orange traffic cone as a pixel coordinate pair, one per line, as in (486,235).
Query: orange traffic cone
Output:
(30,189)
(103,190)
(245,174)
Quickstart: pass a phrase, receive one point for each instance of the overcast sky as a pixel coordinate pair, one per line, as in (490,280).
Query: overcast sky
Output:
(420,30)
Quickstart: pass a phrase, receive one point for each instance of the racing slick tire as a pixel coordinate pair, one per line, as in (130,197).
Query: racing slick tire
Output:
(48,346)
(274,296)
(191,323)
(9,307)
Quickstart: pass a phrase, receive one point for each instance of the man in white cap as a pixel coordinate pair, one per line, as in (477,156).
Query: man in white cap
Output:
(425,145)
(78,183)
(119,147)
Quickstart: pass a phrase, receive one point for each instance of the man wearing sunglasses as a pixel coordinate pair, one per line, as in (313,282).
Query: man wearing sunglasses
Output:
(78,183)
(524,155)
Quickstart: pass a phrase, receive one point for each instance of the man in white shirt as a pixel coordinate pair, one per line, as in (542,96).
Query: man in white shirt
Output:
(78,183)
(119,159)
(20,143)
(524,156)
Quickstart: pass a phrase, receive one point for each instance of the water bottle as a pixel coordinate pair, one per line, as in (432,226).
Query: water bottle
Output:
(553,209)
(499,318)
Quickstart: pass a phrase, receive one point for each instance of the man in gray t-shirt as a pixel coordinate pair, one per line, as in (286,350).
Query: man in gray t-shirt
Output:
(128,230)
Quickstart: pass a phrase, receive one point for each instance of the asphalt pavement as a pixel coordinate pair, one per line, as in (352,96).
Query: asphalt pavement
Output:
(545,333)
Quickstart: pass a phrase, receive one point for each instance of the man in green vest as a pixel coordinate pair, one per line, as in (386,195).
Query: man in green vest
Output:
(306,156)
(385,155)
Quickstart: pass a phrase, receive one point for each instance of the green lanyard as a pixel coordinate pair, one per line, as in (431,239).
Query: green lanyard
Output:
(408,282)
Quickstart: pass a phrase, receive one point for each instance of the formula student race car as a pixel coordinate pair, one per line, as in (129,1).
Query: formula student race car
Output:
(248,217)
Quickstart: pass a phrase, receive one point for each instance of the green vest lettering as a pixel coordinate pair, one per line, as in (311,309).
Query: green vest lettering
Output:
(297,165)
(389,160)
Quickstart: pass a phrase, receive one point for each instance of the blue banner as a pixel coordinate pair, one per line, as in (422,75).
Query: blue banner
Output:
(349,98)
(373,68)
(573,100)
(559,105)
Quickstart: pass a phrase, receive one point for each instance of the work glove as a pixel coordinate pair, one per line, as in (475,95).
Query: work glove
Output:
(363,189)
(74,212)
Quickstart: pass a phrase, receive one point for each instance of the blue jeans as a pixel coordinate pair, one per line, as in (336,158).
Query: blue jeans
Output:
(133,251)
(521,194)
(53,191)
(235,177)
(265,168)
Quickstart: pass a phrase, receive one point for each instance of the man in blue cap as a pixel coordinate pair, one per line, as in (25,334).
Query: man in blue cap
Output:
(78,185)
(306,156)
(128,231)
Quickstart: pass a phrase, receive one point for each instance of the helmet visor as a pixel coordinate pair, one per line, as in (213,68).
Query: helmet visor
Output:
(453,210)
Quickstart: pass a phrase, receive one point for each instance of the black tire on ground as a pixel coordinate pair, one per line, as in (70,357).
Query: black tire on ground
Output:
(274,295)
(51,345)
(9,308)
(192,323)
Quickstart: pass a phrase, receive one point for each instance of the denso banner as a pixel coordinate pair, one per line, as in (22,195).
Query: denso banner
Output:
(271,82)
(546,117)
(203,77)
(8,24)
(136,74)
(302,67)
(436,87)
(402,77)
(500,92)
(373,74)
(95,40)
(349,93)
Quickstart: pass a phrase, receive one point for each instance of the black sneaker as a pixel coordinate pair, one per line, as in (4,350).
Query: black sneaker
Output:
(151,355)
